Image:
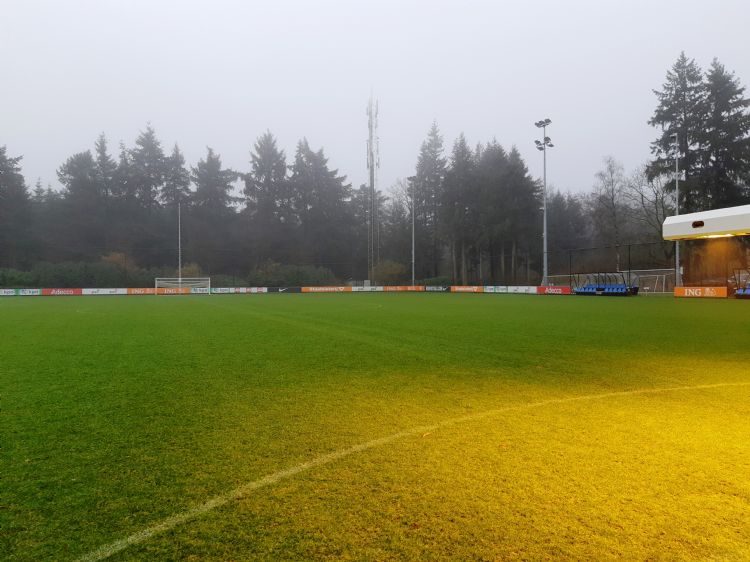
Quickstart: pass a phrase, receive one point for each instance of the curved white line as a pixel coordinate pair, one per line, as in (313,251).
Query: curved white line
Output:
(108,550)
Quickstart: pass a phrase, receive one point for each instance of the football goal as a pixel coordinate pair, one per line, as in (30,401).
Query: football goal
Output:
(182,285)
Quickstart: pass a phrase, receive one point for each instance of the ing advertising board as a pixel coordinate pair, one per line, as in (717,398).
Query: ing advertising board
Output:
(701,292)
(142,291)
(176,290)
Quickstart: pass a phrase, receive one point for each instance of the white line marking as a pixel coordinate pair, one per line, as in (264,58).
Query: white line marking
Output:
(108,550)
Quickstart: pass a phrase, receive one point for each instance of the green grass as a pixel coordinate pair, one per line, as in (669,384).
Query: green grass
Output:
(118,412)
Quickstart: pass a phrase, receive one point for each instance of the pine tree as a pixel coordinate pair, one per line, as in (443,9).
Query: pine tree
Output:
(725,154)
(105,166)
(523,201)
(84,205)
(492,164)
(213,185)
(321,200)
(176,188)
(148,167)
(680,113)
(428,191)
(268,202)
(15,212)
(459,209)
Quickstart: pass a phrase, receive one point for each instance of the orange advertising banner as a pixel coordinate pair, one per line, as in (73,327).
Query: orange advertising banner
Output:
(466,289)
(401,288)
(173,291)
(701,292)
(142,291)
(326,289)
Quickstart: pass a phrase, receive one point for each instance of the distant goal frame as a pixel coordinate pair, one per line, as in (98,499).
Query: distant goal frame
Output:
(182,285)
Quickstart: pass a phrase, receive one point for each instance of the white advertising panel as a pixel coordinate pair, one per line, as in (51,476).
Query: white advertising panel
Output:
(107,291)
(522,289)
(29,292)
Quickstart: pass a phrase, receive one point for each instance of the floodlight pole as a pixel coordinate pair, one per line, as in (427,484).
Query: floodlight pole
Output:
(678,273)
(179,242)
(413,209)
(545,142)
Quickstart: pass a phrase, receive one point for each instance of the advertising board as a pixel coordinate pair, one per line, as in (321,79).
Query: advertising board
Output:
(106,291)
(326,289)
(61,292)
(466,289)
(553,290)
(701,292)
(142,291)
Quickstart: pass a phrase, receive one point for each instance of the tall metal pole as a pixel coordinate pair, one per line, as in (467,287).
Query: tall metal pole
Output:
(179,243)
(545,275)
(373,163)
(677,273)
(413,209)
(542,145)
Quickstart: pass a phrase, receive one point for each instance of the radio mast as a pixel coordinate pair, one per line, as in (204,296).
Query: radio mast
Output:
(373,211)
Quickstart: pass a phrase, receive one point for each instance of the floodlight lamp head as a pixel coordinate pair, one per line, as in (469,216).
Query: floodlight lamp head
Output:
(550,144)
(539,124)
(547,121)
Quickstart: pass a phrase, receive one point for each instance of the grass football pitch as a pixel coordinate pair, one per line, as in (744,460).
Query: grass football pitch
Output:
(374,427)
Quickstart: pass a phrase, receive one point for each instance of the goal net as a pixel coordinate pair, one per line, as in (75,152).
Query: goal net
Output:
(182,285)
(654,281)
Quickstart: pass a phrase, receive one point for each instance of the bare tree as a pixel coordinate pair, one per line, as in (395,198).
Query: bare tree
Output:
(650,199)
(609,208)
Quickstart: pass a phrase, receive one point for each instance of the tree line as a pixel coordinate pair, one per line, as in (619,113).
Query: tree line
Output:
(475,209)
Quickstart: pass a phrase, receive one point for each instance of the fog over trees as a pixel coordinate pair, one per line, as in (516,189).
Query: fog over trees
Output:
(295,218)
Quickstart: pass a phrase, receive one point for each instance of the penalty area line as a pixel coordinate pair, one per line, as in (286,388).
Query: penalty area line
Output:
(105,551)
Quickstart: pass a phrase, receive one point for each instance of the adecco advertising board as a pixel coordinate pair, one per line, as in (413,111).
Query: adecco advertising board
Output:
(61,292)
(701,292)
(553,290)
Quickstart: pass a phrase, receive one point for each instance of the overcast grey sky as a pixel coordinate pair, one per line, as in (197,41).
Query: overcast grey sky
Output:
(220,73)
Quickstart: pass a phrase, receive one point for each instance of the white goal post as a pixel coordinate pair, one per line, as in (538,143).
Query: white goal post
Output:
(182,285)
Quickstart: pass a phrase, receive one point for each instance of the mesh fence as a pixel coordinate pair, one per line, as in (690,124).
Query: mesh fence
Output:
(651,266)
